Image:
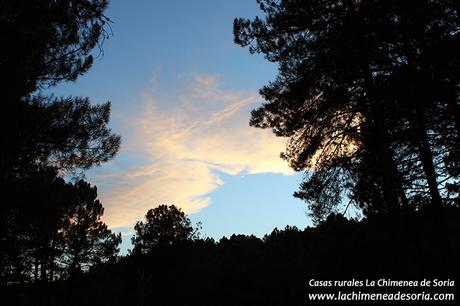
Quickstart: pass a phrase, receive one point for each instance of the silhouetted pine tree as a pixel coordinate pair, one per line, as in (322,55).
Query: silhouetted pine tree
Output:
(87,240)
(164,225)
(367,93)
(46,42)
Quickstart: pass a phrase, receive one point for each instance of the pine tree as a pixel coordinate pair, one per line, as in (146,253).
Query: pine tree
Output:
(365,92)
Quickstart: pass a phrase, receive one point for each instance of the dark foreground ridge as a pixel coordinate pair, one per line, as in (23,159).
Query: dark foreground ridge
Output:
(275,270)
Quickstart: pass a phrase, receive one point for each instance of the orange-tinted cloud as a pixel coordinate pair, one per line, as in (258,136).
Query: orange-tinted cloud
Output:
(185,141)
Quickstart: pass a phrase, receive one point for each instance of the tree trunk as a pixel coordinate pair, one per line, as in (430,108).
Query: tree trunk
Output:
(43,268)
(426,156)
(393,192)
(36,269)
(51,263)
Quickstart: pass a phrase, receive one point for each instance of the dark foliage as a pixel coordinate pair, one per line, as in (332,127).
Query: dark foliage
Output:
(275,270)
(30,236)
(66,133)
(46,42)
(86,239)
(368,94)
(163,225)
(53,230)
(50,42)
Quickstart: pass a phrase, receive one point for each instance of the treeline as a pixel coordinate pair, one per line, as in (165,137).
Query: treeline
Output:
(274,270)
(50,228)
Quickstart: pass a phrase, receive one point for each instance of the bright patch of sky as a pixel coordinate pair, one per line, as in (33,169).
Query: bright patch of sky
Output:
(181,94)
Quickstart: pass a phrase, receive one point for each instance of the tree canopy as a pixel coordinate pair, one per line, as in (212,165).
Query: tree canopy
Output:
(273,270)
(54,230)
(50,42)
(163,225)
(47,42)
(45,138)
(87,240)
(66,133)
(368,95)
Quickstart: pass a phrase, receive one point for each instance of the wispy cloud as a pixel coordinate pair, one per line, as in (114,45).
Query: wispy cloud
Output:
(184,141)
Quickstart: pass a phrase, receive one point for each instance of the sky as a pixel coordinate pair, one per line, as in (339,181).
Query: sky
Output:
(181,93)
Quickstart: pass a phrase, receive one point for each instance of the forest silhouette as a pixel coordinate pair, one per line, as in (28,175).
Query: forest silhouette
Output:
(368,95)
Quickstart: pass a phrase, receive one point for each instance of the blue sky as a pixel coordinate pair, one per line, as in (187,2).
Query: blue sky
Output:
(181,94)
